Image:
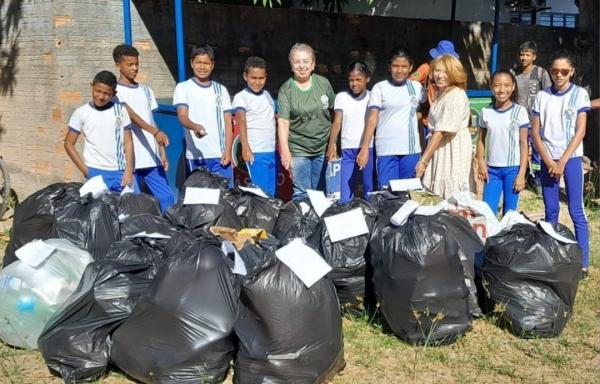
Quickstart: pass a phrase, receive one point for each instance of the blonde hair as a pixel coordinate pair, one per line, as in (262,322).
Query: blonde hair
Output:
(457,77)
(303,48)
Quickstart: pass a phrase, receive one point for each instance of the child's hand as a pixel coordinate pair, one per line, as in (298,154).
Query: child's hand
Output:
(127,179)
(331,153)
(557,169)
(162,138)
(363,158)
(482,171)
(199,130)
(247,155)
(519,184)
(286,158)
(86,173)
(164,161)
(225,158)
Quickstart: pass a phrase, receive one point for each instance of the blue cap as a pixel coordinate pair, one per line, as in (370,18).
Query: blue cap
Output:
(444,47)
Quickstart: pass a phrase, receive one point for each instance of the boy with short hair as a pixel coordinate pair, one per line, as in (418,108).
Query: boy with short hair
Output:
(254,109)
(150,157)
(204,110)
(108,145)
(530,80)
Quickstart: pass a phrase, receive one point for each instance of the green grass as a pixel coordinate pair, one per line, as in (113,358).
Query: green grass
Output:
(486,354)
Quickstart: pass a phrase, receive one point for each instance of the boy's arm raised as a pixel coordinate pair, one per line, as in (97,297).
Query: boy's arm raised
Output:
(160,136)
(129,158)
(70,141)
(184,119)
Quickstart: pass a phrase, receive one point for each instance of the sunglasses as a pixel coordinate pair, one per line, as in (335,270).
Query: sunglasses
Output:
(564,72)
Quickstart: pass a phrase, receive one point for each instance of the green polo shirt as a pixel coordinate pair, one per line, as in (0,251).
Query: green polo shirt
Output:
(309,114)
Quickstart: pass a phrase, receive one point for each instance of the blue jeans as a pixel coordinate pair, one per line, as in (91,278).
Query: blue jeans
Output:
(307,173)
(500,182)
(155,179)
(350,171)
(112,179)
(396,167)
(573,175)
(263,171)
(213,165)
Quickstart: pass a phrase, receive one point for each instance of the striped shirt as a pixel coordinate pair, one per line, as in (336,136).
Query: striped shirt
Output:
(502,134)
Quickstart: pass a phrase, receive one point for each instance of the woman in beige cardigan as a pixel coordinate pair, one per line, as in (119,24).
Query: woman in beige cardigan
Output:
(445,164)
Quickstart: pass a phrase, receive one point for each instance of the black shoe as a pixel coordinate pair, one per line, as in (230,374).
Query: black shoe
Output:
(585,273)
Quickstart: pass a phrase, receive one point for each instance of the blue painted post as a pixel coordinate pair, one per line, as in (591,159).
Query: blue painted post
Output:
(495,38)
(127,22)
(181,73)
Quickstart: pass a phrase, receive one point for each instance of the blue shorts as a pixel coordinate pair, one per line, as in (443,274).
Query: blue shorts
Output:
(112,179)
(263,171)
(396,167)
(155,179)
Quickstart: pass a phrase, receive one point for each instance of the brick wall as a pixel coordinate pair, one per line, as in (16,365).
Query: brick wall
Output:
(61,44)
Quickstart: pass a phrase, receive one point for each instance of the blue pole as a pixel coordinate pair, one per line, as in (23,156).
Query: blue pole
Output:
(127,22)
(495,38)
(179,40)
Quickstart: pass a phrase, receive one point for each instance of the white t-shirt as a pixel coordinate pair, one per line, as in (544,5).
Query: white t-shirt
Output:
(206,106)
(141,99)
(502,143)
(558,115)
(103,130)
(354,111)
(260,118)
(397,132)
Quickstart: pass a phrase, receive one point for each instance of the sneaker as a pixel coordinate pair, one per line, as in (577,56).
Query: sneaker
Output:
(585,273)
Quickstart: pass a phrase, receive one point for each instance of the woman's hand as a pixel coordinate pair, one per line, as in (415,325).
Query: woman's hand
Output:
(286,159)
(420,169)
(331,153)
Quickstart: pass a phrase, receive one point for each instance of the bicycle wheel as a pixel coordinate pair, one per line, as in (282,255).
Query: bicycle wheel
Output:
(4,188)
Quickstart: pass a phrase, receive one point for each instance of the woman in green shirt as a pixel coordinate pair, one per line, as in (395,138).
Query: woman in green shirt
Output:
(305,103)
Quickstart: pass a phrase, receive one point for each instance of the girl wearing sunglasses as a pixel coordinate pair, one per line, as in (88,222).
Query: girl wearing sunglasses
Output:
(558,128)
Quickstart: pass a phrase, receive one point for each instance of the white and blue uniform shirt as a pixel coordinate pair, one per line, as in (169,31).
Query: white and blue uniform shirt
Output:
(558,116)
(260,118)
(353,111)
(206,105)
(502,143)
(397,132)
(141,99)
(103,129)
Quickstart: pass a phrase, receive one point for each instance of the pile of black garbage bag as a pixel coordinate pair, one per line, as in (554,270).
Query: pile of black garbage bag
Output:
(164,301)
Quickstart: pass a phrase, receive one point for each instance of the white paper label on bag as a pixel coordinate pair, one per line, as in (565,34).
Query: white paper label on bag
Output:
(404,212)
(513,217)
(195,195)
(239,267)
(34,253)
(319,202)
(401,185)
(547,227)
(304,208)
(255,191)
(304,261)
(95,186)
(151,235)
(346,225)
(127,189)
(428,210)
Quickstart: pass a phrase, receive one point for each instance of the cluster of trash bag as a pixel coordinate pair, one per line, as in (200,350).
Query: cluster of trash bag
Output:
(178,297)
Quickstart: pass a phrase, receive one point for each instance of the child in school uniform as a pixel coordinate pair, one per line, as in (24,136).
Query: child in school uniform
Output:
(350,111)
(254,110)
(108,145)
(558,129)
(204,109)
(503,146)
(150,157)
(392,118)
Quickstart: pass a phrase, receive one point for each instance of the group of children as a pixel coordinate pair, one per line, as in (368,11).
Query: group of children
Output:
(379,129)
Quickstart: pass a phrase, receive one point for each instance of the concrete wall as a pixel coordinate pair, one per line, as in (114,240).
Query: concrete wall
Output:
(58,47)
(51,50)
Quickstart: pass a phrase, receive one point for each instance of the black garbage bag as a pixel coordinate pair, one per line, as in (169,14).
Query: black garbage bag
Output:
(470,245)
(131,204)
(203,178)
(387,203)
(182,331)
(200,217)
(76,342)
(34,217)
(532,279)
(287,333)
(148,223)
(348,257)
(297,219)
(256,211)
(140,250)
(419,280)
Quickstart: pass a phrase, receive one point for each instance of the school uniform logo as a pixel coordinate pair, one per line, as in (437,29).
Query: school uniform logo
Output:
(325,101)
(514,125)
(414,102)
(570,114)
